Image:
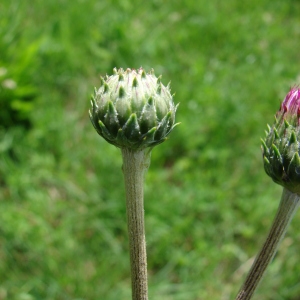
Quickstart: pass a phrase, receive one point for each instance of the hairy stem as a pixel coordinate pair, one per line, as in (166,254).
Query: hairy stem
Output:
(135,163)
(287,207)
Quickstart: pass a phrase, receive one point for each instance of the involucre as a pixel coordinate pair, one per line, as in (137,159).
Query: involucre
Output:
(133,109)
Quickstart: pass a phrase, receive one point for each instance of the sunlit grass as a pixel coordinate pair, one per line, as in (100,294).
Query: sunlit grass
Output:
(208,203)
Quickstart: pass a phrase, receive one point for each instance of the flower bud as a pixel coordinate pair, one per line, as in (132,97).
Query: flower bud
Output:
(281,146)
(133,109)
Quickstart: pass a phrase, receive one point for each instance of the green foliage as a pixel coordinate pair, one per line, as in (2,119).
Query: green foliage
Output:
(17,65)
(208,202)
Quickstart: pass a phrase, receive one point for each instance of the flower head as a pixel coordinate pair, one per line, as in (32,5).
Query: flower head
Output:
(133,109)
(290,107)
(281,147)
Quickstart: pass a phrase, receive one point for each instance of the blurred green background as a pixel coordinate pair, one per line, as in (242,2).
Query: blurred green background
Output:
(208,202)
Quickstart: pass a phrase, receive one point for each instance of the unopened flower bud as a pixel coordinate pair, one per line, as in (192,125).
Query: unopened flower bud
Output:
(133,109)
(281,146)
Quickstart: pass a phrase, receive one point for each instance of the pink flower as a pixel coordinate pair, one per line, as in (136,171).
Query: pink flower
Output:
(281,146)
(291,104)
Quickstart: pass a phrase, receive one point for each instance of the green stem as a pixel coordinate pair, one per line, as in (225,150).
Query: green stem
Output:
(287,207)
(135,163)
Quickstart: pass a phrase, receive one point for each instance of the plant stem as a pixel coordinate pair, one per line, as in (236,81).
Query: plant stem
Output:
(135,164)
(287,207)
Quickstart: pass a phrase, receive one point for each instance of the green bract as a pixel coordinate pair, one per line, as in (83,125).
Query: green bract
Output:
(281,146)
(133,109)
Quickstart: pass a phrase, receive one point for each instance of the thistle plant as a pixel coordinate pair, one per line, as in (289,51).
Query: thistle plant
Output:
(134,111)
(281,148)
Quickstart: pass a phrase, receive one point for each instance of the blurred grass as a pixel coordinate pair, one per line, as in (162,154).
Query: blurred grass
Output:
(208,202)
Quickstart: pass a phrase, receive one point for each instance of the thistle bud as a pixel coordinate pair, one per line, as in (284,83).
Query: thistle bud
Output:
(133,109)
(281,146)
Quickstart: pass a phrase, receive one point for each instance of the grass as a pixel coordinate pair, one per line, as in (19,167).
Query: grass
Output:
(208,202)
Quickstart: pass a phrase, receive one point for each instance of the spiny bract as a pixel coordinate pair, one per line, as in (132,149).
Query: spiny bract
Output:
(133,109)
(281,146)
